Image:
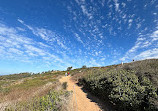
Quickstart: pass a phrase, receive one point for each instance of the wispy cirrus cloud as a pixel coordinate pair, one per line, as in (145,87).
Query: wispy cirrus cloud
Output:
(148,54)
(88,32)
(78,37)
(116,21)
(16,51)
(47,35)
(145,47)
(15,46)
(20,29)
(85,11)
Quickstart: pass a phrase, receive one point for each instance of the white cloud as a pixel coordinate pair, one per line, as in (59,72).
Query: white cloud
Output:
(16,47)
(6,30)
(124,16)
(13,44)
(102,59)
(21,21)
(130,23)
(78,37)
(85,11)
(47,35)
(43,33)
(135,47)
(123,4)
(35,49)
(130,20)
(116,5)
(2,50)
(82,4)
(44,45)
(50,49)
(154,13)
(93,62)
(145,47)
(148,54)
(146,44)
(16,51)
(103,3)
(30,53)
(155,34)
(138,25)
(20,29)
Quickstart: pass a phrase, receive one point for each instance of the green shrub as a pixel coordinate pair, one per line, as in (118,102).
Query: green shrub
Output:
(84,66)
(122,87)
(69,68)
(64,85)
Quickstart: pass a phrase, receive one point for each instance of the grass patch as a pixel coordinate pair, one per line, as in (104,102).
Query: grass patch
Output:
(34,82)
(30,83)
(50,102)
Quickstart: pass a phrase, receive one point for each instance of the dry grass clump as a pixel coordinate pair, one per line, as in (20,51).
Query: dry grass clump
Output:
(16,90)
(53,101)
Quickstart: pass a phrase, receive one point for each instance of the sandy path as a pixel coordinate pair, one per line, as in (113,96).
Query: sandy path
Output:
(80,100)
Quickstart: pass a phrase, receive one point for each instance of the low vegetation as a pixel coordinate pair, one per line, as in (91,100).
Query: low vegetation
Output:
(28,92)
(15,76)
(132,87)
(53,101)
(128,87)
(64,85)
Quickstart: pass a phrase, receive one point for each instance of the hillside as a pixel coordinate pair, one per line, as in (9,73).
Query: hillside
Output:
(27,92)
(131,86)
(128,87)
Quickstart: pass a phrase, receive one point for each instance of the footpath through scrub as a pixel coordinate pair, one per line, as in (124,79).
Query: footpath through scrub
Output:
(80,102)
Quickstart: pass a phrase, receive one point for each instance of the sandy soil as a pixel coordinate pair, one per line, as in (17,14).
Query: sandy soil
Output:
(79,101)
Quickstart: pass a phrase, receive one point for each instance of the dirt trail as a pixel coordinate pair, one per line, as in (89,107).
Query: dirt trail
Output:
(80,101)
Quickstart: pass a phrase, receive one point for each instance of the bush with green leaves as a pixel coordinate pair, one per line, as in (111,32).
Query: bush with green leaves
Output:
(64,85)
(84,66)
(123,88)
(69,68)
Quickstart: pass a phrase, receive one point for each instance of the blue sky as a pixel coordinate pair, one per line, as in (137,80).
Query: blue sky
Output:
(41,35)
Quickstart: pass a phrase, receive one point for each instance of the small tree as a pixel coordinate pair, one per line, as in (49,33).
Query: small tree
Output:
(84,66)
(69,68)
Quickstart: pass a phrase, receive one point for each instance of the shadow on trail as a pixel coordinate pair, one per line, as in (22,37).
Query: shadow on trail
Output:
(105,106)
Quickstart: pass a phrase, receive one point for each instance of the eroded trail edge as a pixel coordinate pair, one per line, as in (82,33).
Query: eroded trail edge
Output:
(79,101)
